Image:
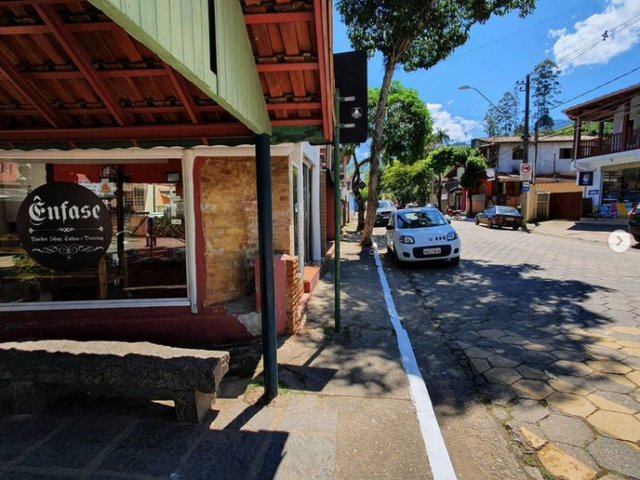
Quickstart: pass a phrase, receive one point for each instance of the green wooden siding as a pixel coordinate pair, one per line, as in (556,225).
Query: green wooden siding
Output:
(178,32)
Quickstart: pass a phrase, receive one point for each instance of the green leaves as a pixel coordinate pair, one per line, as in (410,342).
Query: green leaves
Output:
(407,126)
(546,88)
(419,33)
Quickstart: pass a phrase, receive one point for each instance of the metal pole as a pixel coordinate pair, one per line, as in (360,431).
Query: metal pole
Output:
(336,208)
(265,244)
(525,141)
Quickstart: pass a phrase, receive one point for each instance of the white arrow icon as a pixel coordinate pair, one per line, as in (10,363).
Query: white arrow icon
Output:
(619,241)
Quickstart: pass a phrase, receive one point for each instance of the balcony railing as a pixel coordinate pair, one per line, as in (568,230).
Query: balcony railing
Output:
(609,144)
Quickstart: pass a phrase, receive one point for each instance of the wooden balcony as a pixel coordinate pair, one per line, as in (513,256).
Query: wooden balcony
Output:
(610,144)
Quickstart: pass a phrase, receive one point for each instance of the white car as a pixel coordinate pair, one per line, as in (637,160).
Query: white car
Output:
(421,234)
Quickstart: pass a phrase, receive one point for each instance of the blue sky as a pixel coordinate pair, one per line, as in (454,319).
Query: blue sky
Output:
(557,29)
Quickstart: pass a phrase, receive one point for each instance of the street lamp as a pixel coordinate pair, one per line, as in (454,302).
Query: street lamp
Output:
(467,87)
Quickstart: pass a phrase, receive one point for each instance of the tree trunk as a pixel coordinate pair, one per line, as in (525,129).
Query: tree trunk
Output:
(355,188)
(439,193)
(376,147)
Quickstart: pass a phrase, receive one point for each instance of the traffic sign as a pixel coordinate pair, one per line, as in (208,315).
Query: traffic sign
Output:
(526,186)
(525,172)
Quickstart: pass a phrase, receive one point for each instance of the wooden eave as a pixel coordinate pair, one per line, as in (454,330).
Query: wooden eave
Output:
(70,75)
(291,42)
(604,107)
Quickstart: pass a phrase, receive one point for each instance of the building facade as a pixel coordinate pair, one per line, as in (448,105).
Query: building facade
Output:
(612,156)
(167,120)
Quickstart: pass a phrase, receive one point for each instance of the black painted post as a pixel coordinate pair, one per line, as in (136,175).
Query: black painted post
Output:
(265,243)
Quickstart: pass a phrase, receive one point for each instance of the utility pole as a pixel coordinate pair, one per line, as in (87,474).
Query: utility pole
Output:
(337,197)
(525,144)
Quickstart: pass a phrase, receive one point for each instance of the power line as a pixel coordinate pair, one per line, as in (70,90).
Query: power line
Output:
(595,88)
(518,32)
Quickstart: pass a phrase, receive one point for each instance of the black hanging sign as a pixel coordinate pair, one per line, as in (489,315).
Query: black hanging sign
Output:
(64,227)
(351,78)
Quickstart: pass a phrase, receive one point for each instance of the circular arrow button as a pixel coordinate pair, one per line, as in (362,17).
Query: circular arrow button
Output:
(619,241)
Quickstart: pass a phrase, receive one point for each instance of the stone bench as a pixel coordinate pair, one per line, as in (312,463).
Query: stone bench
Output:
(37,370)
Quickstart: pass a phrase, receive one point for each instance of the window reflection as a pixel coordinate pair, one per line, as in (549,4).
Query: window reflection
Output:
(146,258)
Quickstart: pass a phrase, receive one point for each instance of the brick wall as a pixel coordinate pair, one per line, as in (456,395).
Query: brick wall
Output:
(230,223)
(323,212)
(295,290)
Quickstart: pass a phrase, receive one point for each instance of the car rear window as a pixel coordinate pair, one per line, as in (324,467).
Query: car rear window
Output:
(507,211)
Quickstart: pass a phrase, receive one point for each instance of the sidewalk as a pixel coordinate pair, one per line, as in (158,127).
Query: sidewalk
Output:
(590,231)
(344,412)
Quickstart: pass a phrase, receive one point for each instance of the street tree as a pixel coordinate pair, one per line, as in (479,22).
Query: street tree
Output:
(505,119)
(441,160)
(397,181)
(407,124)
(416,34)
(546,88)
(474,169)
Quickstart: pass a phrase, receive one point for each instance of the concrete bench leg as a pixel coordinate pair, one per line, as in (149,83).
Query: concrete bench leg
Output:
(191,407)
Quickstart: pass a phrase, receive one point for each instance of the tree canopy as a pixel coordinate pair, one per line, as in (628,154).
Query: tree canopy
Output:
(407,126)
(416,34)
(546,88)
(504,120)
(474,169)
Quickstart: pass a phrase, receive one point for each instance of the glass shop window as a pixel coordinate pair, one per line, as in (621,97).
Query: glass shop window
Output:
(146,256)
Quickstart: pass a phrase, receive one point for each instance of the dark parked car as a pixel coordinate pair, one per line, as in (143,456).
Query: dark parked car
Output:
(634,223)
(500,216)
(383,212)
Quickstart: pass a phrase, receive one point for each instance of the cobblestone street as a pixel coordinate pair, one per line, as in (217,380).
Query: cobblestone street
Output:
(550,328)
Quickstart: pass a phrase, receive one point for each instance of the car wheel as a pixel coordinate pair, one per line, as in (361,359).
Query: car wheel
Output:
(516,227)
(399,263)
(477,221)
(489,223)
(637,238)
(455,261)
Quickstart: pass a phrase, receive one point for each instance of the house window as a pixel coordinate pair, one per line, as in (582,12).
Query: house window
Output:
(146,258)
(566,153)
(517,153)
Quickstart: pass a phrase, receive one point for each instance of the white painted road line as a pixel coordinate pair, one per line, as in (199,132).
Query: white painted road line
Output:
(439,459)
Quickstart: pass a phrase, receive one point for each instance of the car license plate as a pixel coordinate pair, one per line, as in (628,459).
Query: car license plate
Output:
(510,219)
(432,251)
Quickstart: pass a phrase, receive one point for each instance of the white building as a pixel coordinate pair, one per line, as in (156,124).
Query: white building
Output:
(614,154)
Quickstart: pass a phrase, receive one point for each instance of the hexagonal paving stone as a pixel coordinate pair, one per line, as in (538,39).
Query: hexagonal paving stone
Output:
(635,377)
(500,361)
(563,465)
(529,411)
(616,455)
(572,368)
(498,394)
(534,389)
(611,383)
(532,373)
(479,365)
(538,357)
(514,340)
(628,343)
(632,352)
(503,375)
(539,347)
(605,366)
(563,386)
(597,353)
(627,330)
(475,352)
(616,425)
(572,404)
(572,355)
(491,333)
(569,430)
(606,404)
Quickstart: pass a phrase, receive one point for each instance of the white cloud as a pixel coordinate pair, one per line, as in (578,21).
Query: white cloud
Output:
(557,33)
(460,129)
(623,33)
(450,102)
